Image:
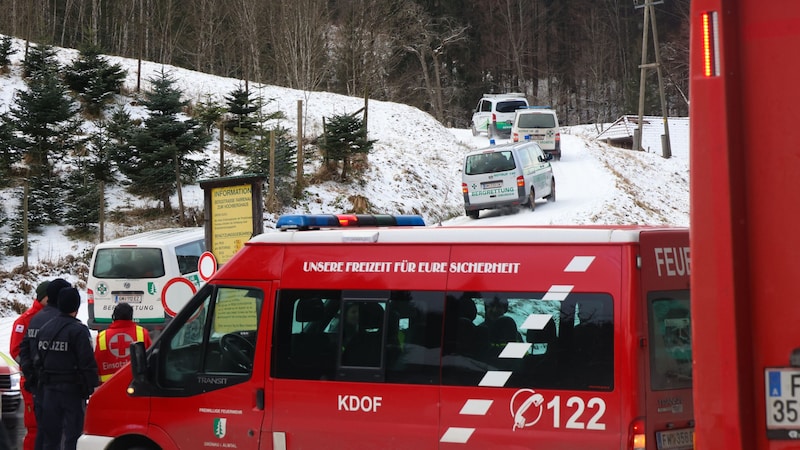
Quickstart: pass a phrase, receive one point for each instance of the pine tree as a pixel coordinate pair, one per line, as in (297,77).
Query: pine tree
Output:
(5,52)
(258,161)
(82,200)
(94,79)
(158,155)
(240,106)
(9,153)
(345,136)
(47,126)
(40,59)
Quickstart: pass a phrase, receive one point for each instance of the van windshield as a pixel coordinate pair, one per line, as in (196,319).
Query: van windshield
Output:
(489,163)
(128,263)
(536,120)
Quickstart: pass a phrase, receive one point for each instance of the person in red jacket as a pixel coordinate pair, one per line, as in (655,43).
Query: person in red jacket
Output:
(18,331)
(112,349)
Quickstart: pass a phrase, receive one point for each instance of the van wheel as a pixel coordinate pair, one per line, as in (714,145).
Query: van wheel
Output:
(552,196)
(532,200)
(473,214)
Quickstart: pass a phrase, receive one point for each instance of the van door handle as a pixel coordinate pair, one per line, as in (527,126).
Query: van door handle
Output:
(260,399)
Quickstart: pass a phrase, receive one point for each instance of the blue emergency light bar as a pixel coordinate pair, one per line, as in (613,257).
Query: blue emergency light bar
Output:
(316,221)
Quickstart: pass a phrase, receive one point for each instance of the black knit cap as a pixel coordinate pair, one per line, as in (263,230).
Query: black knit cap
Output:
(69,300)
(54,287)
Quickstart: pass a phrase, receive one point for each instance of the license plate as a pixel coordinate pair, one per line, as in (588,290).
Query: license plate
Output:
(492,184)
(783,402)
(128,298)
(675,439)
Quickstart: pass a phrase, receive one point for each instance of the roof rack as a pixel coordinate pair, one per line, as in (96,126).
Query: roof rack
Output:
(304,222)
(507,94)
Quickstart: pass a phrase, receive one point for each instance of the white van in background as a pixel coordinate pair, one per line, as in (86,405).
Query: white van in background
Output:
(540,125)
(134,270)
(494,114)
(513,174)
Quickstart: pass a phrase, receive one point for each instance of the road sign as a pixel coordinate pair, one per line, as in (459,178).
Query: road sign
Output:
(176,293)
(207,266)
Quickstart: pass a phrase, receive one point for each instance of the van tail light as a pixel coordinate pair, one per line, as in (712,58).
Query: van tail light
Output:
(515,137)
(89,296)
(520,181)
(464,188)
(494,117)
(558,138)
(636,435)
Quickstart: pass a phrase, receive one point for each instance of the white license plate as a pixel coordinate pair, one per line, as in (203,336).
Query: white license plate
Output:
(492,184)
(783,402)
(128,298)
(675,439)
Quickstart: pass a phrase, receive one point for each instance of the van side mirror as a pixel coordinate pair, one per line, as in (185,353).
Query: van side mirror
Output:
(138,362)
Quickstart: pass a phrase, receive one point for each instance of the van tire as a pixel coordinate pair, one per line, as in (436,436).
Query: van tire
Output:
(532,200)
(473,214)
(552,196)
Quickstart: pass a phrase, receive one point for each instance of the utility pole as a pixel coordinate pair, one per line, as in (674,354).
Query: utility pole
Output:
(649,11)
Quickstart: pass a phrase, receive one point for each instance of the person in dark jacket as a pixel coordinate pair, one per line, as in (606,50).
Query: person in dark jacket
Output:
(68,374)
(27,348)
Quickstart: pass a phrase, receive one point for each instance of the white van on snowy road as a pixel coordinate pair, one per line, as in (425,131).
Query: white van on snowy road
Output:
(514,174)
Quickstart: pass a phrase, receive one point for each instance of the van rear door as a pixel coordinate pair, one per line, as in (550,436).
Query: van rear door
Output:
(666,269)
(491,178)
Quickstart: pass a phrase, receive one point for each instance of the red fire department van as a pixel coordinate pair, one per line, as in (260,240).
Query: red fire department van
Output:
(420,337)
(744,218)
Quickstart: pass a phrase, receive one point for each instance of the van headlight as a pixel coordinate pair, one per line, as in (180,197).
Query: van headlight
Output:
(14,379)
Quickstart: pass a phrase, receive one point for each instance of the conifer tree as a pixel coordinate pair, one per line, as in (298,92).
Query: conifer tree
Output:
(9,152)
(158,153)
(258,161)
(82,199)
(344,136)
(47,126)
(240,107)
(40,59)
(5,52)
(94,79)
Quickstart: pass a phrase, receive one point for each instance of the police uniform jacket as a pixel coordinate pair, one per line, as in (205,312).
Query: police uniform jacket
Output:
(27,348)
(65,355)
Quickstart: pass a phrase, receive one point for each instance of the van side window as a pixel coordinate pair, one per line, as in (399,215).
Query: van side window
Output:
(519,340)
(218,339)
(669,323)
(358,335)
(188,255)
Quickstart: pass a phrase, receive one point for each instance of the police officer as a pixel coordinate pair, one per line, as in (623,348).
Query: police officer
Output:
(68,374)
(27,348)
(112,349)
(18,332)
